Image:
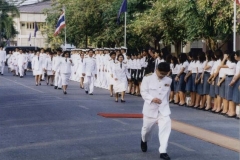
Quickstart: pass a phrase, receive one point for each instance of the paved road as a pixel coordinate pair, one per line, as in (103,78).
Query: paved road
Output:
(40,123)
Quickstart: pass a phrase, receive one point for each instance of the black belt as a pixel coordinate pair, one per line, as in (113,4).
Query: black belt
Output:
(230,75)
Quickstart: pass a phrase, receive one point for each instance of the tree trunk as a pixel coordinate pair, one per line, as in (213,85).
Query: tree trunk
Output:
(178,47)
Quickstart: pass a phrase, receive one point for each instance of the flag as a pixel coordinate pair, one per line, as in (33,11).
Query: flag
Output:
(29,38)
(122,9)
(60,24)
(8,42)
(35,29)
(238,2)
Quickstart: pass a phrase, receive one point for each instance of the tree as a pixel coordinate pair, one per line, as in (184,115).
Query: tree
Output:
(7,11)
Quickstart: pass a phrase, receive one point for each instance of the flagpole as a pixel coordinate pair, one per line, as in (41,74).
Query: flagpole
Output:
(234,26)
(125,30)
(65,29)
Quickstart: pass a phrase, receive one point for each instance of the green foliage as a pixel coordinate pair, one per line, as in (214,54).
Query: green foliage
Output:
(94,23)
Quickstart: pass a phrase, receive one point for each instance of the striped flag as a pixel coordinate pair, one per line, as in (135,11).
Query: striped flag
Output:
(35,29)
(60,24)
(238,2)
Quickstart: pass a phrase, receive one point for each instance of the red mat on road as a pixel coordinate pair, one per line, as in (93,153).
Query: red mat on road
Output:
(120,115)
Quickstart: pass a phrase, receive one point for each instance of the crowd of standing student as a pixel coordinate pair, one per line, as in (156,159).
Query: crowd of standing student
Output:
(204,77)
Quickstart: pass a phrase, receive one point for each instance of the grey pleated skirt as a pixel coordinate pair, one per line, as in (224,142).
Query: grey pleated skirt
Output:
(182,83)
(228,89)
(206,85)
(189,84)
(216,88)
(222,89)
(236,92)
(199,86)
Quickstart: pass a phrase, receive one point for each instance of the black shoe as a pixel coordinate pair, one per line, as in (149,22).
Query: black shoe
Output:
(64,92)
(21,76)
(36,84)
(42,80)
(143,146)
(51,84)
(123,101)
(55,87)
(111,95)
(86,92)
(39,84)
(90,94)
(116,100)
(165,156)
(59,88)
(2,74)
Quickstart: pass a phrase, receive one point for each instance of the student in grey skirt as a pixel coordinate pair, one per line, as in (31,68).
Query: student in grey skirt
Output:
(199,84)
(213,79)
(235,83)
(174,70)
(207,87)
(180,77)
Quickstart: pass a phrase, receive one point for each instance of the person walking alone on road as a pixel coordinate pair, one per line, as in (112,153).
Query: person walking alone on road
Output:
(155,91)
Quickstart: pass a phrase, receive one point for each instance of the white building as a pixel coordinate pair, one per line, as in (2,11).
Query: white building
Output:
(24,24)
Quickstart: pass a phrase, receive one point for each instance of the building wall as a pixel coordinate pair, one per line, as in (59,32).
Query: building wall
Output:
(25,26)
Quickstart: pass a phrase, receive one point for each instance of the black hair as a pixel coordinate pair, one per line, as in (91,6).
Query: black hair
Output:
(66,52)
(119,56)
(168,58)
(182,57)
(218,54)
(237,53)
(112,53)
(175,60)
(201,57)
(164,67)
(210,55)
(231,57)
(194,56)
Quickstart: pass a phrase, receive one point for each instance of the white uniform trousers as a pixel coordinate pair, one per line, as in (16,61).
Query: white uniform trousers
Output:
(21,70)
(164,125)
(89,84)
(16,69)
(2,65)
(58,80)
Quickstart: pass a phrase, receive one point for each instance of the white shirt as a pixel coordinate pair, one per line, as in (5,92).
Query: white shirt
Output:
(153,87)
(237,68)
(231,68)
(175,70)
(3,56)
(185,66)
(210,64)
(200,66)
(89,66)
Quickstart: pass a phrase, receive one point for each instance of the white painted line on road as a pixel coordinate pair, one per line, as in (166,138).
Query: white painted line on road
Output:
(117,120)
(181,146)
(83,107)
(23,85)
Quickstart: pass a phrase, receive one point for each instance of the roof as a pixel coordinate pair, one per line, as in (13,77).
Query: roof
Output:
(35,8)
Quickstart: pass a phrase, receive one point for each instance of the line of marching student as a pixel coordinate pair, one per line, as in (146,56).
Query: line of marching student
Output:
(204,77)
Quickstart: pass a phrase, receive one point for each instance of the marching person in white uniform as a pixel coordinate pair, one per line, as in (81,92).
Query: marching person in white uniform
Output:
(89,71)
(79,68)
(57,79)
(49,69)
(37,67)
(3,58)
(43,56)
(21,62)
(155,91)
(120,75)
(111,65)
(15,61)
(65,65)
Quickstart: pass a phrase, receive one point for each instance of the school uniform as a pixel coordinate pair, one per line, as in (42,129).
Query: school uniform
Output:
(21,62)
(111,64)
(175,71)
(49,66)
(90,69)
(236,90)
(182,83)
(139,70)
(134,71)
(212,86)
(79,68)
(153,113)
(120,73)
(206,75)
(144,65)
(3,59)
(200,70)
(65,67)
(189,83)
(222,74)
(37,65)
(44,56)
(216,64)
(230,71)
(57,77)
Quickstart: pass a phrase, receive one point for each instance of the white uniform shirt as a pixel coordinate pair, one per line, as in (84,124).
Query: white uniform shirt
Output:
(176,69)
(37,64)
(237,68)
(210,64)
(49,64)
(3,56)
(200,66)
(65,65)
(185,66)
(89,66)
(121,73)
(231,68)
(153,87)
